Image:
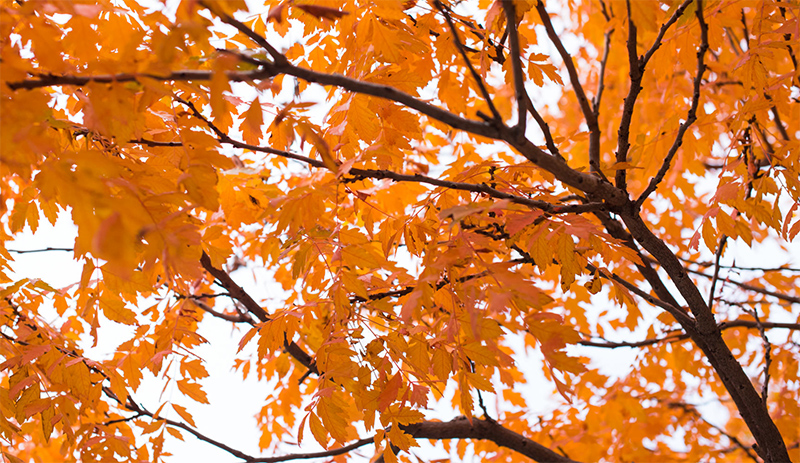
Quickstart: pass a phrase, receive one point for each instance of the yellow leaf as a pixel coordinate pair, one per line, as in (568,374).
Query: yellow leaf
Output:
(184,414)
(319,432)
(192,390)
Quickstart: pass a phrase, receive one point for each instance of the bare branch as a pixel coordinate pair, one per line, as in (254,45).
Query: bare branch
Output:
(636,74)
(744,269)
(461,428)
(254,308)
(767,355)
(516,65)
(548,137)
(601,79)
(259,40)
(50,80)
(323,454)
(749,287)
(691,116)
(715,277)
(475,75)
(677,336)
(238,318)
(586,108)
(30,251)
(139,410)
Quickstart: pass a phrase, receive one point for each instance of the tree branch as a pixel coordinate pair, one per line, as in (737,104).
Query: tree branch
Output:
(50,80)
(548,137)
(475,75)
(358,174)
(686,321)
(691,116)
(516,65)
(749,287)
(238,293)
(586,108)
(636,70)
(259,40)
(676,337)
(238,318)
(601,79)
(30,251)
(714,279)
(688,408)
(461,428)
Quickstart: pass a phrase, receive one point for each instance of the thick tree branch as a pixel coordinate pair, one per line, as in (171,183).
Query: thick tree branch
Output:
(461,428)
(709,339)
(557,167)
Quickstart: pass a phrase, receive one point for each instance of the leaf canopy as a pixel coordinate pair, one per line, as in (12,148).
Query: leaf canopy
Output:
(449,198)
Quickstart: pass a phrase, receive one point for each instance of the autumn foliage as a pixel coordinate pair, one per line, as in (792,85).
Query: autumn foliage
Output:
(439,191)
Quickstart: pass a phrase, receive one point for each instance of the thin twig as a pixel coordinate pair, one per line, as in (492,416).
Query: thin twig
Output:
(254,308)
(744,269)
(715,277)
(688,408)
(548,137)
(637,66)
(677,336)
(277,56)
(30,251)
(475,75)
(238,318)
(685,320)
(749,287)
(767,355)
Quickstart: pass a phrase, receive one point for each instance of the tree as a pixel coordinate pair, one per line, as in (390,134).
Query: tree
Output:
(438,187)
